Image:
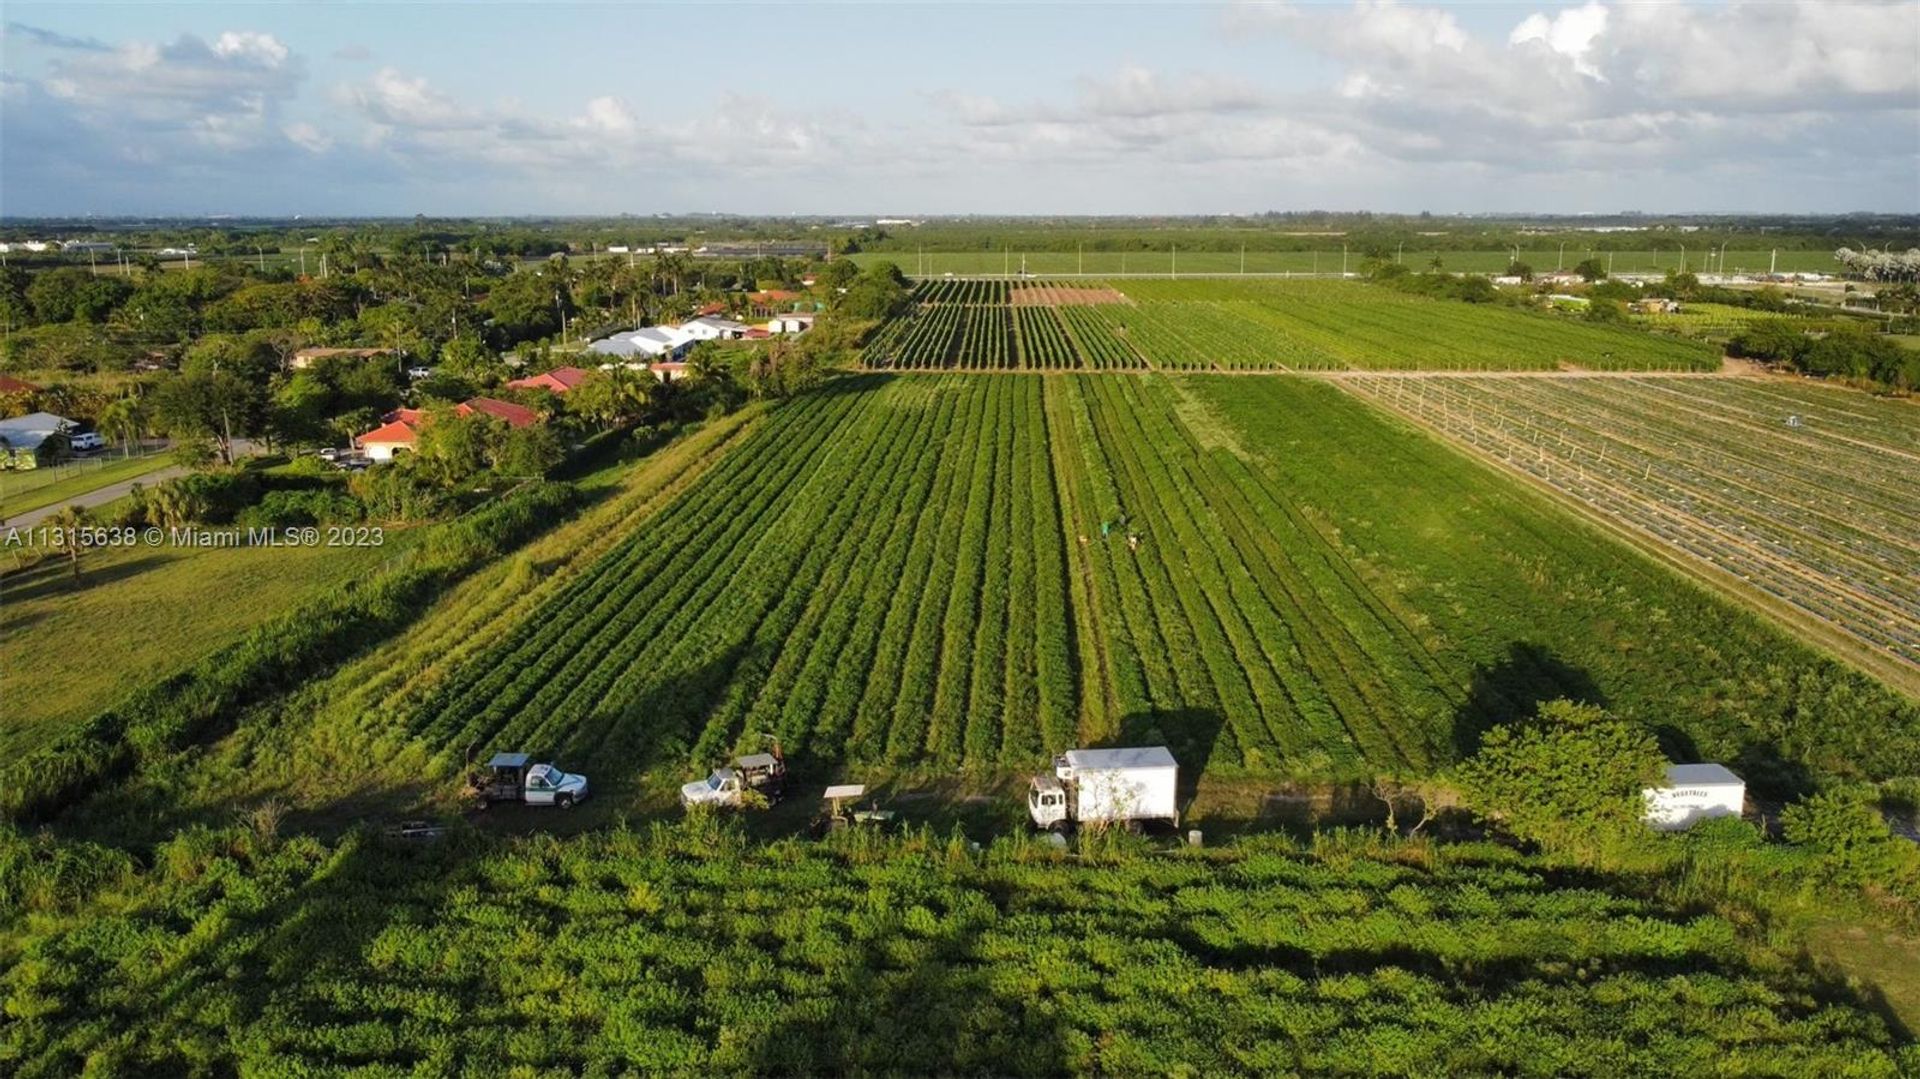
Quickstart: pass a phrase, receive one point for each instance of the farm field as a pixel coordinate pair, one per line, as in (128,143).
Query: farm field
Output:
(1248,325)
(685,949)
(910,574)
(1800,492)
(1162,262)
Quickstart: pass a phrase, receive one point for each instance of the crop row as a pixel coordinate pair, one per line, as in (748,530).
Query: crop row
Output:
(747,607)
(955,572)
(1803,511)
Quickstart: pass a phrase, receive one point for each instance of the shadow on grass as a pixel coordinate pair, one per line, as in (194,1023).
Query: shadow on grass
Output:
(1513,689)
(54,577)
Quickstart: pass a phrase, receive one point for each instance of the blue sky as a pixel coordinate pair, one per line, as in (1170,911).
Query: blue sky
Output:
(946,108)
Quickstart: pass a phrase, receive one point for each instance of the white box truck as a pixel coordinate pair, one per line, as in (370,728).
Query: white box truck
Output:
(1693,793)
(1106,786)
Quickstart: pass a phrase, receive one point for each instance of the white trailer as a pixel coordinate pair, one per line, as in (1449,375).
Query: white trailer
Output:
(1693,793)
(1106,786)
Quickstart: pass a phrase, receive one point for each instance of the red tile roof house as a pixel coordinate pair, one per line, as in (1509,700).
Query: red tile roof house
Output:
(559,380)
(513,415)
(402,426)
(10,384)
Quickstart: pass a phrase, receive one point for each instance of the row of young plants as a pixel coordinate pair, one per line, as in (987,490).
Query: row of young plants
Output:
(1044,344)
(1794,505)
(687,948)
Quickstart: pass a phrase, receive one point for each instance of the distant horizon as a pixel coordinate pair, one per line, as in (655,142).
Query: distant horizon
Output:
(501,110)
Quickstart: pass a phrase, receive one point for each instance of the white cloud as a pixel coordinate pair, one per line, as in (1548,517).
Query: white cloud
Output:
(307,137)
(1571,34)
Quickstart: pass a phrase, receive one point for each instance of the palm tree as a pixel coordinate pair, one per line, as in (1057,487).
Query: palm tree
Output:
(124,420)
(67,523)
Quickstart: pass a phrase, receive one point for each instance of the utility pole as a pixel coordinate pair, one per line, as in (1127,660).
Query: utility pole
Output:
(303,260)
(1773,262)
(1560,263)
(1006,260)
(1243,259)
(1398,251)
(1343,260)
(1080,264)
(92,263)
(1175,266)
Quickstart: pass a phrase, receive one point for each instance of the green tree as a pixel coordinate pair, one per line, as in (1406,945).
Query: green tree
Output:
(215,406)
(1591,270)
(1569,779)
(124,419)
(1855,846)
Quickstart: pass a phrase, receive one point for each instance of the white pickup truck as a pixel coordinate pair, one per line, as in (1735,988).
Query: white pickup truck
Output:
(763,773)
(511,777)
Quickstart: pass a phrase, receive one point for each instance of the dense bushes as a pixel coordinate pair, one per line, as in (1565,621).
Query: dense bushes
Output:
(190,705)
(688,949)
(1845,352)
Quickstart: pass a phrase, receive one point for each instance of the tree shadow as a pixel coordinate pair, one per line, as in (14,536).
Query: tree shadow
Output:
(1770,772)
(1513,689)
(1192,734)
(54,577)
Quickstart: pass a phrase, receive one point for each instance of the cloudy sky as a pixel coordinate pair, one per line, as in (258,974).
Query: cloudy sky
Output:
(320,108)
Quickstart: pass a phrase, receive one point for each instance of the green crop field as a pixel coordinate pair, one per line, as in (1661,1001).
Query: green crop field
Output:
(687,950)
(1782,486)
(1163,260)
(1250,325)
(912,573)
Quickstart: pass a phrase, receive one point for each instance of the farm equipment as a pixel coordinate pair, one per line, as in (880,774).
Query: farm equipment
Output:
(843,811)
(764,774)
(1106,786)
(511,777)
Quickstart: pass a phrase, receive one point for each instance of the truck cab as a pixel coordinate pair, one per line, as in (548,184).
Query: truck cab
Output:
(1047,804)
(513,777)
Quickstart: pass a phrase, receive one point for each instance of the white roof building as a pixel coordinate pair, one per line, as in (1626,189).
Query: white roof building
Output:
(28,431)
(713,327)
(656,341)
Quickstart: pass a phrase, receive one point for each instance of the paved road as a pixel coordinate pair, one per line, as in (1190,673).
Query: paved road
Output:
(98,497)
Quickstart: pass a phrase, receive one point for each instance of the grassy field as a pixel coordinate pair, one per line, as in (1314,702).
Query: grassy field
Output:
(685,949)
(1253,325)
(1792,491)
(30,490)
(1327,260)
(70,648)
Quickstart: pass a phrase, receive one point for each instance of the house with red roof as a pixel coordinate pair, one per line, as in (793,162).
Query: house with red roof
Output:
(385,441)
(400,429)
(10,384)
(506,411)
(559,380)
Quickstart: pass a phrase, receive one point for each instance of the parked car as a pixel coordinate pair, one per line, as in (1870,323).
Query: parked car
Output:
(86,442)
(330,453)
(418,373)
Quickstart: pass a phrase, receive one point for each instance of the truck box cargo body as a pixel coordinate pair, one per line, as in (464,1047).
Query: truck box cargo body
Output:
(1693,793)
(1107,786)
